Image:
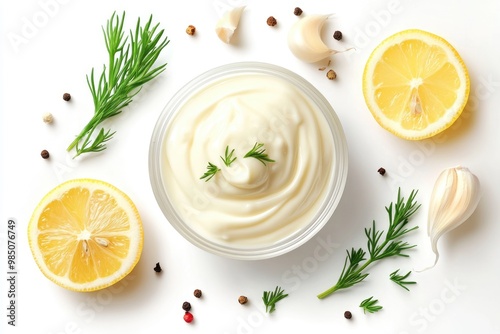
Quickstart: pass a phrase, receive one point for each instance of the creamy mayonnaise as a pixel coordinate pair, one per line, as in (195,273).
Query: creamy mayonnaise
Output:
(248,203)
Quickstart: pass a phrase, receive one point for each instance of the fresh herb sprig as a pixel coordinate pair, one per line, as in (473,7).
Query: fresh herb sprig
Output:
(131,60)
(257,152)
(270,298)
(370,305)
(212,169)
(378,248)
(228,157)
(400,279)
(210,173)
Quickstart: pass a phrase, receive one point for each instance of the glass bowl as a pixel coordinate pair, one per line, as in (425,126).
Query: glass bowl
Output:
(177,217)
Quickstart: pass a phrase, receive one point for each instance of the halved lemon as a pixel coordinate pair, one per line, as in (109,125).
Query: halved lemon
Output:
(415,84)
(85,235)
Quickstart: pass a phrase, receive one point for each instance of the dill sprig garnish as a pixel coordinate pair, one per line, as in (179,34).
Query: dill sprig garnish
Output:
(228,157)
(131,60)
(400,279)
(210,173)
(370,305)
(270,298)
(212,169)
(257,152)
(378,247)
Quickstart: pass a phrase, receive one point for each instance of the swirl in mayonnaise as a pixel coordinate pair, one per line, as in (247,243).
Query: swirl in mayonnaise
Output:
(248,203)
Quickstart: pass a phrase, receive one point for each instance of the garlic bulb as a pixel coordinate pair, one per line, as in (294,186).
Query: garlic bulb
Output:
(304,39)
(454,198)
(228,23)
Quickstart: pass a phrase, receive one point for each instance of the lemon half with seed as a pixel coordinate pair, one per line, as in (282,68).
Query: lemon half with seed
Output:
(415,84)
(85,235)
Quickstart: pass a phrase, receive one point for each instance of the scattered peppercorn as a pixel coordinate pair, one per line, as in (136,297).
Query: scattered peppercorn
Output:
(66,96)
(337,35)
(186,306)
(297,11)
(381,171)
(242,300)
(197,293)
(48,118)
(347,315)
(331,74)
(190,30)
(271,21)
(45,154)
(188,317)
(157,268)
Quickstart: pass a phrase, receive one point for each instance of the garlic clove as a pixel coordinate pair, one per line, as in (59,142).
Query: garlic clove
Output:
(454,198)
(304,39)
(228,23)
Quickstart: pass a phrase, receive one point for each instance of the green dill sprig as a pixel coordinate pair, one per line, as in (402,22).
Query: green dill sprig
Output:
(400,279)
(210,173)
(131,60)
(257,152)
(369,305)
(270,298)
(97,145)
(379,245)
(228,157)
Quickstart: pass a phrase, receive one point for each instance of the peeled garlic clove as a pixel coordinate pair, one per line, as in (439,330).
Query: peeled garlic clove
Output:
(304,39)
(228,23)
(454,198)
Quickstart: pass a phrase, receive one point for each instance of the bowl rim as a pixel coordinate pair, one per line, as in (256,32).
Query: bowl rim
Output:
(337,182)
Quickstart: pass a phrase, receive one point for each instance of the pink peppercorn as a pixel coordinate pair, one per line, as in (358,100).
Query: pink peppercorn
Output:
(188,317)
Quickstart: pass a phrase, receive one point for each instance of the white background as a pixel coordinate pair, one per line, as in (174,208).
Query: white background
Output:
(47,48)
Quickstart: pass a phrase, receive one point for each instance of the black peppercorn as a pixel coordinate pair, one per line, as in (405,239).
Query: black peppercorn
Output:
(337,35)
(186,306)
(66,96)
(157,268)
(347,315)
(381,171)
(45,154)
(197,293)
(242,300)
(297,11)
(271,21)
